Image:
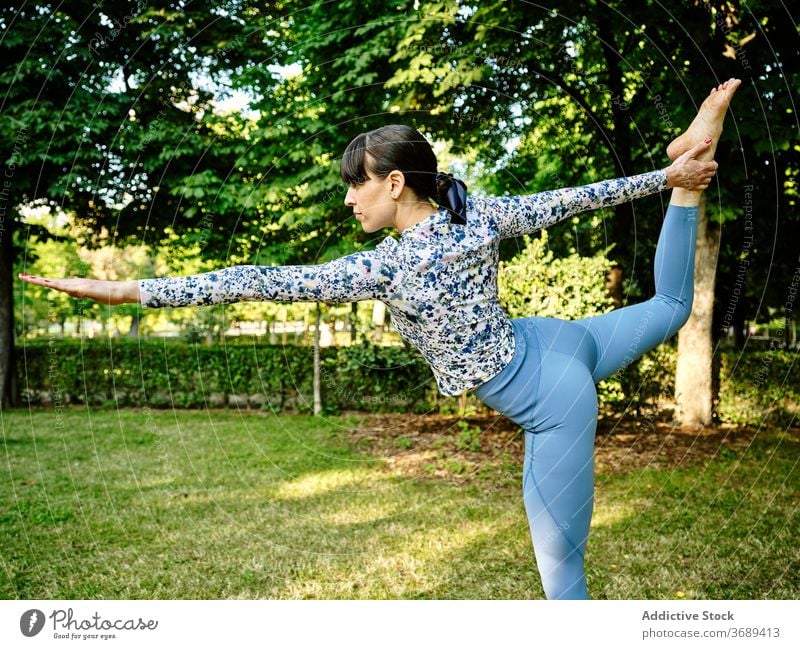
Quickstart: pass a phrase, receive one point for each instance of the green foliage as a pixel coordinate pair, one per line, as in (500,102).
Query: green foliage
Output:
(468,437)
(754,387)
(376,379)
(176,374)
(536,283)
(53,259)
(759,387)
(641,386)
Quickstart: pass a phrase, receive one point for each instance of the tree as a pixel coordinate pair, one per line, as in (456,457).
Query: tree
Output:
(146,154)
(102,108)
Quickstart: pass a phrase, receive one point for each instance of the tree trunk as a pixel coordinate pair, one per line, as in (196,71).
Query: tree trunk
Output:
(694,392)
(620,147)
(614,286)
(353,321)
(378,320)
(133,332)
(8,378)
(273,335)
(317,395)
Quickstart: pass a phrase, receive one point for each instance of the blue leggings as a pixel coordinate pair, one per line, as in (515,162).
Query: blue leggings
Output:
(548,389)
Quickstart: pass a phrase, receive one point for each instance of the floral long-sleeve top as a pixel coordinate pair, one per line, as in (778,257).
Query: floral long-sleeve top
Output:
(438,280)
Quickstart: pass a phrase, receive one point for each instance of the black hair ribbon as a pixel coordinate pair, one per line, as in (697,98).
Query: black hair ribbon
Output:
(455,201)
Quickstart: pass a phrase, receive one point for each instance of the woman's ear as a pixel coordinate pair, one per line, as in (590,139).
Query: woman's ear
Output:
(397,181)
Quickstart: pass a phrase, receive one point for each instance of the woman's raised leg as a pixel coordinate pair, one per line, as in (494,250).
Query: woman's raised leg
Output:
(623,335)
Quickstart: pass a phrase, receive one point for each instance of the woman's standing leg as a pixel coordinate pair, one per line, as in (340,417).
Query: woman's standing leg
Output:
(558,473)
(548,390)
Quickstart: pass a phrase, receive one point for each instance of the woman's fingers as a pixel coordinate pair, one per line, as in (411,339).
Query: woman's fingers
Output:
(102,291)
(42,281)
(57,284)
(704,182)
(697,149)
(33,279)
(94,289)
(690,173)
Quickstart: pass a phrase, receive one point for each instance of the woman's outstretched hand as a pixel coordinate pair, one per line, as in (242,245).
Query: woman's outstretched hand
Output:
(101,291)
(687,172)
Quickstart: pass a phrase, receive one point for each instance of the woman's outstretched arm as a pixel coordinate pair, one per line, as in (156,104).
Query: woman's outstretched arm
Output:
(519,215)
(360,276)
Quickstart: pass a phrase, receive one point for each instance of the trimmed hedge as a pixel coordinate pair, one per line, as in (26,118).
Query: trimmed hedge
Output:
(754,387)
(150,373)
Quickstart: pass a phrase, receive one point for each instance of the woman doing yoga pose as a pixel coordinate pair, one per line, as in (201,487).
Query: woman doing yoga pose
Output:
(439,281)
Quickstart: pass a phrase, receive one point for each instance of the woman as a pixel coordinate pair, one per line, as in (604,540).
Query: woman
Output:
(439,281)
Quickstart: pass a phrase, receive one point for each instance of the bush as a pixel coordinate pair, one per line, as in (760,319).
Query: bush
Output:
(178,374)
(759,387)
(165,374)
(642,385)
(534,283)
(377,379)
(754,388)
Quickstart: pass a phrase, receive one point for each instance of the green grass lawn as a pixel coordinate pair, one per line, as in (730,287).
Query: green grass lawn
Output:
(133,504)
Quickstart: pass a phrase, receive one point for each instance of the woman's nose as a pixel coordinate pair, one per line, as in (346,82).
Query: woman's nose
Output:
(349,199)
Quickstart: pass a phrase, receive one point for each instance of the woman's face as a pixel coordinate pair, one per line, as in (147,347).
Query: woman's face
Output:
(372,202)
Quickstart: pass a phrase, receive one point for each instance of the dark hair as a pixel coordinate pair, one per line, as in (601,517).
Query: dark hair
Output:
(399,147)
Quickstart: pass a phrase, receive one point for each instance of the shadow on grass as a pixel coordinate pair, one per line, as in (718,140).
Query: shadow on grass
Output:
(100,507)
(205,506)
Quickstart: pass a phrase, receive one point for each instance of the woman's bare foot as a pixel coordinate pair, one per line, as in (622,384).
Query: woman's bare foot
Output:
(708,122)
